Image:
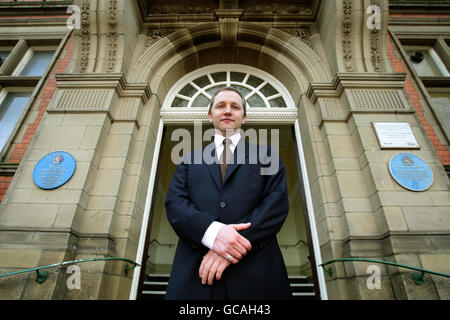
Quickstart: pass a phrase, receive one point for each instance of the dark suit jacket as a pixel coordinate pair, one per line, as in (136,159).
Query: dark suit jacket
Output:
(196,198)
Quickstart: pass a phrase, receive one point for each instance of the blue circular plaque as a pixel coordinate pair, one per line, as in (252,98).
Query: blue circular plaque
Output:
(54,170)
(411,172)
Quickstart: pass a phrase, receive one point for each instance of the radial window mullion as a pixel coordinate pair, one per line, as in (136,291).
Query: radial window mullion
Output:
(246,78)
(266,101)
(277,95)
(210,78)
(179,95)
(206,94)
(195,85)
(191,100)
(261,86)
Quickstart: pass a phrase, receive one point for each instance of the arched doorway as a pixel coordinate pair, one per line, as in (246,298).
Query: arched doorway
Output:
(269,107)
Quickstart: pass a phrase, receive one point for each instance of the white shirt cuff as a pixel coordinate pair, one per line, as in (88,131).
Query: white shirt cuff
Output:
(211,233)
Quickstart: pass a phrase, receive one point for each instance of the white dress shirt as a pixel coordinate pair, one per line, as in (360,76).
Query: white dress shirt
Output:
(211,233)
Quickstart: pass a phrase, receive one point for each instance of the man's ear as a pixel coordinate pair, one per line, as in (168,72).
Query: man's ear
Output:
(209,116)
(243,118)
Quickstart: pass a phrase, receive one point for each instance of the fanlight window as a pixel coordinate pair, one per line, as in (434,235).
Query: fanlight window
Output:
(258,91)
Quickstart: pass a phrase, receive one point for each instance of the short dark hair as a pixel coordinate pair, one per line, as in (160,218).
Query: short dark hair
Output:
(211,102)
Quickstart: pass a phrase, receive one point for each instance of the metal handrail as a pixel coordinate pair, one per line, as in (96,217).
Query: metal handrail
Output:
(42,275)
(417,278)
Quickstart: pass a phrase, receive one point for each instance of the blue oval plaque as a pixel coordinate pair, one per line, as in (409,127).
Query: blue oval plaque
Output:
(54,170)
(411,172)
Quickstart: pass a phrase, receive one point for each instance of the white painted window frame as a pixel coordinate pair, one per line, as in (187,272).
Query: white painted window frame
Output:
(29,54)
(3,94)
(228,68)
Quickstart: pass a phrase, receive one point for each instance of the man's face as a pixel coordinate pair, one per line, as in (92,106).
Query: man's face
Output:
(227,112)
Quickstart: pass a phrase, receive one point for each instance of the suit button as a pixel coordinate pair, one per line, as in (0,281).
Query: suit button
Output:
(223,204)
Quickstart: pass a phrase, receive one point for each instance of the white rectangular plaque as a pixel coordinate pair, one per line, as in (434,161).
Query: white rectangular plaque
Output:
(395,135)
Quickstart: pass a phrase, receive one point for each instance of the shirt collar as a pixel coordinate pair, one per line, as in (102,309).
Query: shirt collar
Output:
(218,139)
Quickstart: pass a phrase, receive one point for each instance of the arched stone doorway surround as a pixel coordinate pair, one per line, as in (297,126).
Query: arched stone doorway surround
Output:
(285,57)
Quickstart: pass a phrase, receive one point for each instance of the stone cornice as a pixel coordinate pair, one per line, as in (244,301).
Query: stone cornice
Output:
(355,80)
(262,11)
(106,93)
(115,81)
(360,93)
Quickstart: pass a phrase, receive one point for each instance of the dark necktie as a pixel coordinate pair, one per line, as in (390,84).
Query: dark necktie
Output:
(225,157)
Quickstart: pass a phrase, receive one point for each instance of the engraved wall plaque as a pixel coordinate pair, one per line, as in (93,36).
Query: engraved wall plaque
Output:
(395,135)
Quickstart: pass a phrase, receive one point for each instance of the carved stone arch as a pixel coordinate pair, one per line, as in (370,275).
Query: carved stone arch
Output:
(285,56)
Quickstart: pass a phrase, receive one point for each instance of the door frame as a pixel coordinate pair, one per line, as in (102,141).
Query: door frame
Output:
(167,119)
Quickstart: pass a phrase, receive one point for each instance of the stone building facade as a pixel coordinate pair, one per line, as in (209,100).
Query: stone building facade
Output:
(109,81)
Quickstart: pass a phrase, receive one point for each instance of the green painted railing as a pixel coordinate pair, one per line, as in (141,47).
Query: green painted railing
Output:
(42,275)
(417,277)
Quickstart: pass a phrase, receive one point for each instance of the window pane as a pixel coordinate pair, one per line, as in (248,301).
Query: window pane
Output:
(202,81)
(188,91)
(277,103)
(254,81)
(428,67)
(268,90)
(441,102)
(219,76)
(256,102)
(37,64)
(10,111)
(179,103)
(242,90)
(237,76)
(200,101)
(212,91)
(3,56)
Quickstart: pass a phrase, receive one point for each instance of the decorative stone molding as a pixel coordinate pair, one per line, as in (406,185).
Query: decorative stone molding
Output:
(374,50)
(110,93)
(286,8)
(228,13)
(360,92)
(84,36)
(303,34)
(152,36)
(347,36)
(194,7)
(228,31)
(80,100)
(252,116)
(112,36)
(377,100)
(331,109)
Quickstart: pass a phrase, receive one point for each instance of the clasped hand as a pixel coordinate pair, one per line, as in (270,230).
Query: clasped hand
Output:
(229,247)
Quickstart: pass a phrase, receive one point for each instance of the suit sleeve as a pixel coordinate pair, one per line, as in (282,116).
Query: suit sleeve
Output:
(268,218)
(188,222)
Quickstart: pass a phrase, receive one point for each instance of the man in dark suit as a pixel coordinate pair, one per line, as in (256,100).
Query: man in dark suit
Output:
(227,215)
